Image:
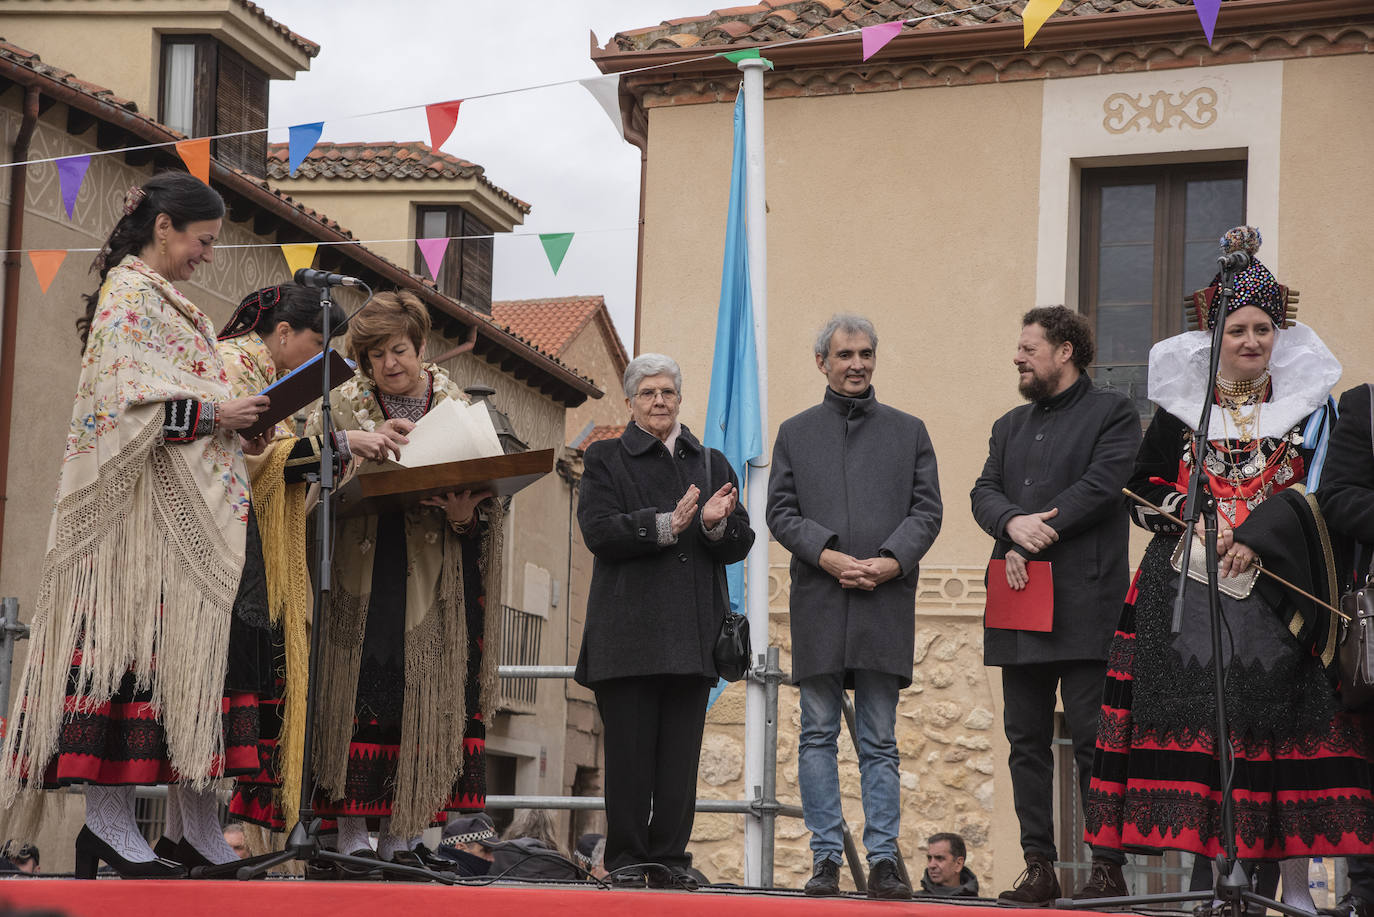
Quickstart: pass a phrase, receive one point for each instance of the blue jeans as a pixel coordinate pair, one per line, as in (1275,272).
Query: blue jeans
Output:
(875,721)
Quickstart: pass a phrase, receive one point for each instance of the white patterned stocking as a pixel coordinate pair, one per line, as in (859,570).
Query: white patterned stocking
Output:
(110,816)
(200,821)
(353,835)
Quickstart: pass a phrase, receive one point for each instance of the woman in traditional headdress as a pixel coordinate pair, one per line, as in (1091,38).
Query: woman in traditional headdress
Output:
(1301,781)
(274,331)
(413,634)
(125,682)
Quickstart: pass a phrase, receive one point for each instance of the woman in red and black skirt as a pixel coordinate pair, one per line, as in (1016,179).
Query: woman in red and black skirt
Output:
(1302,779)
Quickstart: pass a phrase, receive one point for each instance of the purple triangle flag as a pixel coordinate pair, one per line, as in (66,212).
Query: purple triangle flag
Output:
(433,250)
(301,139)
(1207,12)
(71,172)
(874,37)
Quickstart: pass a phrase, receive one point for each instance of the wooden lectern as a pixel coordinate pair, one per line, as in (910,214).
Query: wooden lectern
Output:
(390,491)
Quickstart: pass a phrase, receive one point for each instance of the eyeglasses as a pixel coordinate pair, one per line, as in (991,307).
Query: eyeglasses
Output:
(650,395)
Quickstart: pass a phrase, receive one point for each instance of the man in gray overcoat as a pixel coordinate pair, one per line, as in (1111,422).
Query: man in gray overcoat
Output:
(853,495)
(1051,491)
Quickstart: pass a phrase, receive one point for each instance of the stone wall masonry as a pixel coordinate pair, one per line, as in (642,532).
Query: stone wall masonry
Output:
(946,730)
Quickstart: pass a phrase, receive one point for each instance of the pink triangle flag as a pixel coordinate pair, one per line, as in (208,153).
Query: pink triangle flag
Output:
(433,250)
(875,37)
(1207,12)
(442,116)
(1034,16)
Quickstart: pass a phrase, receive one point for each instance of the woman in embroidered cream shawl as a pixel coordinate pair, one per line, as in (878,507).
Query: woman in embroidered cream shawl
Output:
(410,657)
(125,683)
(274,331)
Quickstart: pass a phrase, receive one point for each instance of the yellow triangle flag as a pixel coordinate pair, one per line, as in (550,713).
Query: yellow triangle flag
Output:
(196,155)
(299,256)
(45,265)
(1034,16)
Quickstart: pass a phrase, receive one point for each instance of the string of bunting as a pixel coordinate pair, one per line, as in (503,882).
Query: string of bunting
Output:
(47,261)
(442,119)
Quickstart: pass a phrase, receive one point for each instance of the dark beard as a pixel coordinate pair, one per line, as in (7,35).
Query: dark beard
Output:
(1037,389)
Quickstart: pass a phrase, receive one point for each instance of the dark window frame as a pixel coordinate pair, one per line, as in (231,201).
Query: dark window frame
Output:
(466,272)
(251,93)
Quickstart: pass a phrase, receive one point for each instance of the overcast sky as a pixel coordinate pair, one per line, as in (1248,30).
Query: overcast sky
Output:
(552,148)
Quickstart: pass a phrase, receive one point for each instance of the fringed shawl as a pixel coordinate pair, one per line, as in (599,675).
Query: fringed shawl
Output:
(145,547)
(436,637)
(281,515)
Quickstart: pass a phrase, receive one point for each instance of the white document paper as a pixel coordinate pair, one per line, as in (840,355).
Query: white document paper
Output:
(452,431)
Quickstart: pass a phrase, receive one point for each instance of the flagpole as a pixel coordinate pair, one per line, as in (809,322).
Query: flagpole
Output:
(756,492)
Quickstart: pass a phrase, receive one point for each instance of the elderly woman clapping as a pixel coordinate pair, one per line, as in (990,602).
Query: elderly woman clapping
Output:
(661,514)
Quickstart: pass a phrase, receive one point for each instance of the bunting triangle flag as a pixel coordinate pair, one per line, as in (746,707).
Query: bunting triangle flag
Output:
(442,116)
(606,91)
(300,140)
(45,265)
(875,37)
(299,256)
(196,155)
(1034,16)
(735,57)
(433,250)
(1207,12)
(556,247)
(71,172)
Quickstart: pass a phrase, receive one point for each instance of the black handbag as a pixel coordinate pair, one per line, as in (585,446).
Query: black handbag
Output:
(732,652)
(1355,653)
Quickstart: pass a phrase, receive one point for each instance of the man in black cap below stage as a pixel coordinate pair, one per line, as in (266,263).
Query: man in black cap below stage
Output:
(469,842)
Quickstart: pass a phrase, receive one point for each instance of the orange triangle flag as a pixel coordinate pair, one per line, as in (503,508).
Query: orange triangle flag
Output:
(196,155)
(299,255)
(441,116)
(45,265)
(1034,16)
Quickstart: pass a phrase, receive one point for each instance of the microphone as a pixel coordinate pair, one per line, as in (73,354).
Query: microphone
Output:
(309,277)
(1229,261)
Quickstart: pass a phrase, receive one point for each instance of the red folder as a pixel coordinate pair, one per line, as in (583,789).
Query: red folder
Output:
(1030,609)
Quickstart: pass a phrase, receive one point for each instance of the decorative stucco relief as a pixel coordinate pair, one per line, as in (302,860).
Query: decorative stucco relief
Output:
(1161,111)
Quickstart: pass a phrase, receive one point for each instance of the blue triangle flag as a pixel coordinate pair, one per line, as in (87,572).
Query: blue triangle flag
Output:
(300,141)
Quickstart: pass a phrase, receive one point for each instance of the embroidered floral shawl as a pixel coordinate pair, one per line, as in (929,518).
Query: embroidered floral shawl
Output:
(436,641)
(145,548)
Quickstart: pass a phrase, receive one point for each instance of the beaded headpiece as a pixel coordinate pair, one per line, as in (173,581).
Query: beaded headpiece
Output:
(1255,286)
(249,314)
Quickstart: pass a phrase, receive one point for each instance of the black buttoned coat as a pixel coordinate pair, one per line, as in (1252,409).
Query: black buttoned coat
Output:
(857,476)
(653,610)
(1073,451)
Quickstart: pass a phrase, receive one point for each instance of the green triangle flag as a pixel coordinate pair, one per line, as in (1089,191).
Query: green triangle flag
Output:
(555,247)
(735,57)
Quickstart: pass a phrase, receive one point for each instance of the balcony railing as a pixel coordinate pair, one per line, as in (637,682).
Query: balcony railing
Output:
(520,635)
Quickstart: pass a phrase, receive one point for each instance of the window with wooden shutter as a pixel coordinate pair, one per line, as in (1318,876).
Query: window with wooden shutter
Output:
(185,102)
(466,271)
(208,89)
(475,290)
(240,105)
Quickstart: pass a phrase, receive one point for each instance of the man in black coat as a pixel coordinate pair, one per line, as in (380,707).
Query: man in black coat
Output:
(1051,491)
(853,495)
(661,515)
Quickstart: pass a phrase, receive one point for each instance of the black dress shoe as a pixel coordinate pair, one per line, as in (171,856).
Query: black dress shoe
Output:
(628,877)
(825,880)
(91,851)
(883,882)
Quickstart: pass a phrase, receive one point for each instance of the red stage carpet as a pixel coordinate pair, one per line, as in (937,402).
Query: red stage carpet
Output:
(295,898)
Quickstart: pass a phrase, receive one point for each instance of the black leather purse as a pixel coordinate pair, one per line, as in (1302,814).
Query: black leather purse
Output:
(732,652)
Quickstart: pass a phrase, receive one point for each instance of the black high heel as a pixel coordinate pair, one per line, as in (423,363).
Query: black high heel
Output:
(166,848)
(188,856)
(91,850)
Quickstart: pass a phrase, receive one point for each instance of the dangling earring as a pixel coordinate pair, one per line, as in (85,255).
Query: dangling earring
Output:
(282,340)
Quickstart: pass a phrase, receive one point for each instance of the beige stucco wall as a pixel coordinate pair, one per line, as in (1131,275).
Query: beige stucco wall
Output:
(64,35)
(590,355)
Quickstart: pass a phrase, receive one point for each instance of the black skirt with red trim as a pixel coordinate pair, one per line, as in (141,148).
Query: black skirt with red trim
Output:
(1302,779)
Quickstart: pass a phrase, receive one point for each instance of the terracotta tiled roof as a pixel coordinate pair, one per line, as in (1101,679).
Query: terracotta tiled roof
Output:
(601,432)
(17,60)
(300,41)
(777,20)
(550,324)
(380,161)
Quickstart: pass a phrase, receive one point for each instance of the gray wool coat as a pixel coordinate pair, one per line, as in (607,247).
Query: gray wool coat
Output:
(857,476)
(1073,451)
(653,610)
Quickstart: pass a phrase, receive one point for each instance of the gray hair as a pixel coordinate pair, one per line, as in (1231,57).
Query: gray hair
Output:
(847,322)
(651,364)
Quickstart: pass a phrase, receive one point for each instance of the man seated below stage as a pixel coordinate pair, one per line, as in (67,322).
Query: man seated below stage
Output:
(468,843)
(946,876)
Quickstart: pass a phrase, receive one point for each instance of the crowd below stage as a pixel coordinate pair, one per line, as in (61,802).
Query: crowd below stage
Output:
(170,634)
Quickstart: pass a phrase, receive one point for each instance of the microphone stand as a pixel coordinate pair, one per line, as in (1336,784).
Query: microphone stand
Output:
(303,844)
(1232,889)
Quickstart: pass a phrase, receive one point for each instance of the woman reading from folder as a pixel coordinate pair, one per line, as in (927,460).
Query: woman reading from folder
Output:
(274,331)
(410,652)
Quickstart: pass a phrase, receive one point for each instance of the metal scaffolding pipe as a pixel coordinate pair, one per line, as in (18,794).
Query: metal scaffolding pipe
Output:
(597,803)
(535,671)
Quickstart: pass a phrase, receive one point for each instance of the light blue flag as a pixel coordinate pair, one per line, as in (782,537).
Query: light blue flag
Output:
(733,419)
(300,140)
